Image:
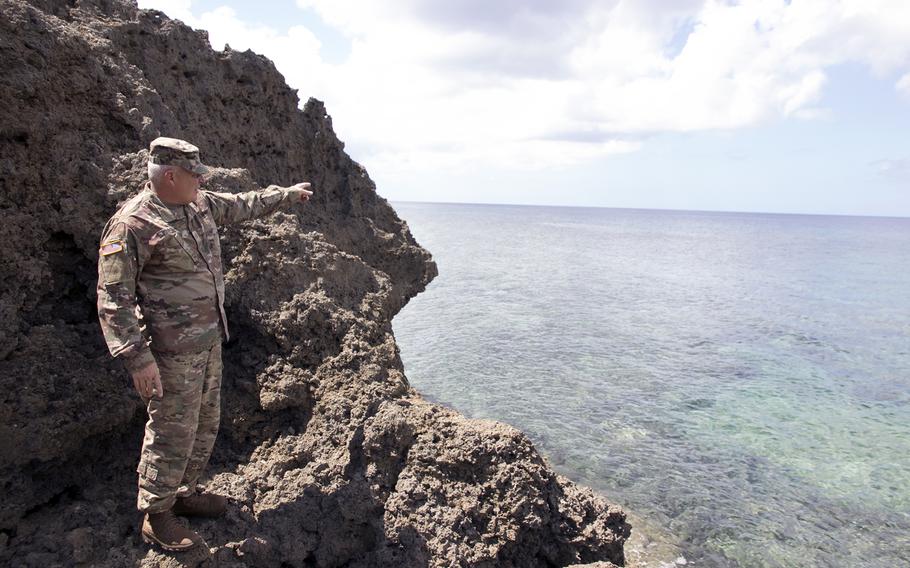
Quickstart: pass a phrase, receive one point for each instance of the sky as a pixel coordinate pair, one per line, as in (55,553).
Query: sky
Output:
(788,106)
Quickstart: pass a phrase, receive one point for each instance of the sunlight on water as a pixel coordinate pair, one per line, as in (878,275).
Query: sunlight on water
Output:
(740,381)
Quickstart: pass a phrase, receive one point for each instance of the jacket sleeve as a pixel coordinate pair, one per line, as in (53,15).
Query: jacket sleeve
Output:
(235,207)
(120,261)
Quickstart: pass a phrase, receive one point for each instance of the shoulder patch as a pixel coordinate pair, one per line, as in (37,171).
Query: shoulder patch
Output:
(112,247)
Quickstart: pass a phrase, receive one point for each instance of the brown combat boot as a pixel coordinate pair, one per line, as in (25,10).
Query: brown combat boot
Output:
(166,531)
(200,505)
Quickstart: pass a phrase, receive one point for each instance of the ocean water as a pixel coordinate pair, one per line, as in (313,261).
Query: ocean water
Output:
(741,381)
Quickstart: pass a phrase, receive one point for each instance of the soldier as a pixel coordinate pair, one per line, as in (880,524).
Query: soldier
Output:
(160,264)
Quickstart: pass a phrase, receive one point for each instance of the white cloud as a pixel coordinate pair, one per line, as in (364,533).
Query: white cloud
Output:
(903,85)
(542,84)
(894,169)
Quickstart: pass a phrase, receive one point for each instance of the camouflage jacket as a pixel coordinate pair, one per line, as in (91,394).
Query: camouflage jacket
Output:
(160,276)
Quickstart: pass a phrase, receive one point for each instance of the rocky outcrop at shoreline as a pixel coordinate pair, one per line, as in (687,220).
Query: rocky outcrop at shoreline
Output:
(328,455)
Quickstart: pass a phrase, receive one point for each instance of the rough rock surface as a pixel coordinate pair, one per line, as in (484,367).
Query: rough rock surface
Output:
(329,457)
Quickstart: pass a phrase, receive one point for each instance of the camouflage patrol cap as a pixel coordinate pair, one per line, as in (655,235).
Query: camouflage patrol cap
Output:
(174,152)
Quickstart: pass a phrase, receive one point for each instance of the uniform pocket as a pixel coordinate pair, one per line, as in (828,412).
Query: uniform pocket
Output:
(116,262)
(174,253)
(146,470)
(115,267)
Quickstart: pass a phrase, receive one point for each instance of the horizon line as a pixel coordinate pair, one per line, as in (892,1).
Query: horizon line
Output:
(665,209)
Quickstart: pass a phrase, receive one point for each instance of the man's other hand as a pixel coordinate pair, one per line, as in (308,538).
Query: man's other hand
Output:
(305,190)
(147,381)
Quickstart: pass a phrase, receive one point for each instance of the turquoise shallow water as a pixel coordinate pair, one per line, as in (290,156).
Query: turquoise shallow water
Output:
(741,380)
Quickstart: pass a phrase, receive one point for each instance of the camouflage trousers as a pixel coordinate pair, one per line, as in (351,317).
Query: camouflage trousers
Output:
(181,428)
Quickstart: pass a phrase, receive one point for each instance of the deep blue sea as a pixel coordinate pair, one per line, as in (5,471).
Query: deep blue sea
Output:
(738,382)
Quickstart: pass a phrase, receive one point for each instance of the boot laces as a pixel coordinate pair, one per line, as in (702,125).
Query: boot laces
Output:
(168,523)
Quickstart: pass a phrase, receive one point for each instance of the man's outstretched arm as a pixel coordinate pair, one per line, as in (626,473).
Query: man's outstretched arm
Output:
(235,207)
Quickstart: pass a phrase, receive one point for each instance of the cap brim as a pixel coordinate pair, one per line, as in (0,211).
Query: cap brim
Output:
(201,169)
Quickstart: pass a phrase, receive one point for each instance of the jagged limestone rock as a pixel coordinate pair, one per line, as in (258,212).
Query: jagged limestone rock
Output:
(329,456)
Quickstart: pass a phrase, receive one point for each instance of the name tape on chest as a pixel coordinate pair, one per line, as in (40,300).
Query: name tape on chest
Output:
(111,248)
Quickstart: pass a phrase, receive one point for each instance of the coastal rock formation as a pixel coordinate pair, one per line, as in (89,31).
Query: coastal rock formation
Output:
(327,454)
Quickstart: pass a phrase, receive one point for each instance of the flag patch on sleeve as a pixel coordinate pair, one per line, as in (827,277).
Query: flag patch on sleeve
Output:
(111,248)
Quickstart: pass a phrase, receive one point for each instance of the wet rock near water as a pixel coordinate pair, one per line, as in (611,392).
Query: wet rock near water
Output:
(327,454)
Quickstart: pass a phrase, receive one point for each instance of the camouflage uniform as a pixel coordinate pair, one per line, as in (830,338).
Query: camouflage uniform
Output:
(161,299)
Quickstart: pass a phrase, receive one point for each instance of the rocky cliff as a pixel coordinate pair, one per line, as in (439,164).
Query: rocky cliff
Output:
(328,455)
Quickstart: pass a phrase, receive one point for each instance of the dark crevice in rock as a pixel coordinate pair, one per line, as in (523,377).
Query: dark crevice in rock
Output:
(71,277)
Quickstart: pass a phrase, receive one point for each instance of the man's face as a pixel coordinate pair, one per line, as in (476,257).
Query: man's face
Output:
(184,183)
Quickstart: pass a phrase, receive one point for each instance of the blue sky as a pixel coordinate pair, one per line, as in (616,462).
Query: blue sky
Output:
(798,106)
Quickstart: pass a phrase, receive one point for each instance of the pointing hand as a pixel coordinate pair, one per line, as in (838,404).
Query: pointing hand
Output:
(304,189)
